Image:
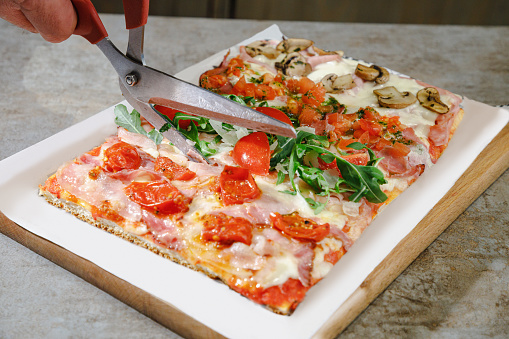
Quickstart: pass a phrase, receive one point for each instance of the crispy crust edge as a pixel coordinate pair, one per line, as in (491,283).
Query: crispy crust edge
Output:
(85,215)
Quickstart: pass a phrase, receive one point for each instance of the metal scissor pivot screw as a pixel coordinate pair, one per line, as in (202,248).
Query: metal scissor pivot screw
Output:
(131,79)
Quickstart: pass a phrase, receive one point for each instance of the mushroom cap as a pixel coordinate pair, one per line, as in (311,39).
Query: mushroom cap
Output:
(366,72)
(383,75)
(374,73)
(294,65)
(262,47)
(430,99)
(320,51)
(390,97)
(294,45)
(336,84)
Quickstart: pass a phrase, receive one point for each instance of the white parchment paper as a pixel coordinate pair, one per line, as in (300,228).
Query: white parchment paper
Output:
(206,300)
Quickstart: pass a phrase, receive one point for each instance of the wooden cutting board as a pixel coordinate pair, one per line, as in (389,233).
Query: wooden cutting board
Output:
(489,165)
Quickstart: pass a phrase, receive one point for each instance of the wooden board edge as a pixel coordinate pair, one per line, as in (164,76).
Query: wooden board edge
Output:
(476,179)
(158,310)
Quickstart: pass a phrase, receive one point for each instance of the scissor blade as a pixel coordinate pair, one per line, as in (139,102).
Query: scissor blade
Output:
(172,134)
(148,85)
(162,89)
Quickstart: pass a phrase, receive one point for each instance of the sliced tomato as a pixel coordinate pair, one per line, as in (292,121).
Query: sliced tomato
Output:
(226,230)
(158,197)
(172,170)
(356,159)
(121,156)
(275,113)
(170,113)
(264,92)
(308,116)
(300,86)
(253,153)
(213,82)
(315,96)
(237,186)
(299,228)
(372,127)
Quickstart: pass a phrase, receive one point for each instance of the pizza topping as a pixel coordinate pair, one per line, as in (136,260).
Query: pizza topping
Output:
(121,156)
(300,228)
(336,84)
(294,45)
(392,98)
(226,230)
(430,98)
(262,47)
(253,153)
(158,197)
(372,73)
(237,186)
(294,64)
(173,171)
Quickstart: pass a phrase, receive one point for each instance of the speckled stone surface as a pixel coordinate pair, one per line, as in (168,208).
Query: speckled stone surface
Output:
(457,288)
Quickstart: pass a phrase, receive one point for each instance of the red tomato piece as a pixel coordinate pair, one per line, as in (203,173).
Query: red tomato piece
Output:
(237,186)
(253,153)
(158,197)
(173,171)
(213,82)
(275,113)
(265,92)
(360,159)
(315,96)
(240,86)
(121,156)
(170,113)
(308,116)
(299,228)
(372,127)
(226,230)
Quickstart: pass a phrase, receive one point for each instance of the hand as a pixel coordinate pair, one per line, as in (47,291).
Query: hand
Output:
(55,20)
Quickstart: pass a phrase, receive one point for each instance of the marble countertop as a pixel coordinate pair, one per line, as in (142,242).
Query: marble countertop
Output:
(458,287)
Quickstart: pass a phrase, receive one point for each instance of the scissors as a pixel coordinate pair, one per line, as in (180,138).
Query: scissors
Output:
(143,87)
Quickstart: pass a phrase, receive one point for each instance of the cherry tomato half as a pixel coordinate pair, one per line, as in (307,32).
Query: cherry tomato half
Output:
(172,170)
(170,113)
(275,113)
(121,156)
(253,153)
(237,186)
(299,228)
(356,159)
(158,197)
(226,230)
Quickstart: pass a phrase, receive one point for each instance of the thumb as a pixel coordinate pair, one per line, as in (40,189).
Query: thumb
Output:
(55,20)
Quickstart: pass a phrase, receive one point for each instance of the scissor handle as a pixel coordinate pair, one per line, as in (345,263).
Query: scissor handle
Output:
(136,13)
(89,24)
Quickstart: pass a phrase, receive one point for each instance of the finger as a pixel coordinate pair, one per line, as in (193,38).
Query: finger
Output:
(11,12)
(55,20)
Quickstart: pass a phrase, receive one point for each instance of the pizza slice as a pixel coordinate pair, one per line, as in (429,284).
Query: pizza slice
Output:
(269,216)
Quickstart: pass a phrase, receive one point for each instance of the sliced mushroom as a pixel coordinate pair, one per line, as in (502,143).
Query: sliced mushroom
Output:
(383,75)
(294,65)
(294,45)
(336,84)
(372,73)
(392,98)
(262,48)
(366,72)
(320,51)
(430,99)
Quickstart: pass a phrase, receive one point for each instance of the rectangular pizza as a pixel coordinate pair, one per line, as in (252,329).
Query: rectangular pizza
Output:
(269,216)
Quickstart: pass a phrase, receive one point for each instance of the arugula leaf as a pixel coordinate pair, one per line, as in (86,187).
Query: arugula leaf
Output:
(362,181)
(132,123)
